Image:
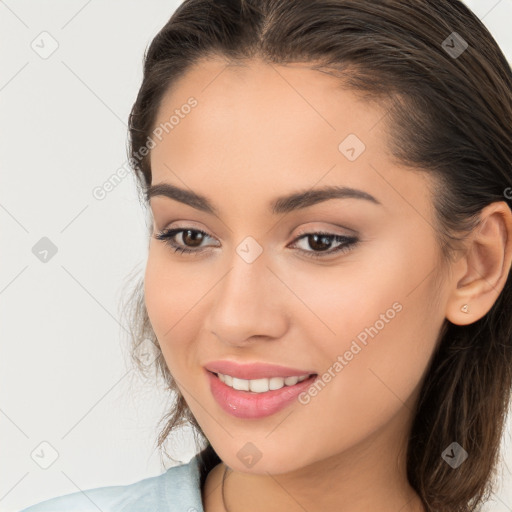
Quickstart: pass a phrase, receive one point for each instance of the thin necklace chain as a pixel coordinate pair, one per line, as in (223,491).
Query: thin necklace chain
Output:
(222,489)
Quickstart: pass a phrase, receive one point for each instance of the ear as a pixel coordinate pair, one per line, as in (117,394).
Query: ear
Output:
(480,275)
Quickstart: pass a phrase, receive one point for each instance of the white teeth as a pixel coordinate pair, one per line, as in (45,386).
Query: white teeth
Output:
(260,385)
(241,384)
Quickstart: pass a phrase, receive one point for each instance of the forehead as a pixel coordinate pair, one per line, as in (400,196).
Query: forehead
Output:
(261,129)
(266,103)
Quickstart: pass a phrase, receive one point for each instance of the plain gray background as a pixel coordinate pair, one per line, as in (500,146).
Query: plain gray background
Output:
(66,379)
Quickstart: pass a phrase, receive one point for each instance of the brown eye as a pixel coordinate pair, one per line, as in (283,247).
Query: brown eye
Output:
(319,242)
(191,239)
(322,242)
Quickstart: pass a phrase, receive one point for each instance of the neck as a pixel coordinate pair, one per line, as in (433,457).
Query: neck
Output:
(369,476)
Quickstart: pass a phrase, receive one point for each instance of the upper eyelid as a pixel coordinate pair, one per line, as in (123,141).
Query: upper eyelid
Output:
(346,230)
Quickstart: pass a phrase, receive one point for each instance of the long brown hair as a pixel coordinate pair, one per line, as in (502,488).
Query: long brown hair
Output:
(448,90)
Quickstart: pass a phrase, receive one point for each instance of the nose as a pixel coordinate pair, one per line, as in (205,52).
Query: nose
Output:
(249,303)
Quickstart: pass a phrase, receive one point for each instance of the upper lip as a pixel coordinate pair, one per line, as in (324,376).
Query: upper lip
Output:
(254,370)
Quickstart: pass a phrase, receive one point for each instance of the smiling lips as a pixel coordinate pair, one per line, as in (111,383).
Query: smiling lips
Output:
(255,390)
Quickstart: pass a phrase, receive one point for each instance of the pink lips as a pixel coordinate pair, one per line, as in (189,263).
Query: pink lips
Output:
(254,370)
(246,404)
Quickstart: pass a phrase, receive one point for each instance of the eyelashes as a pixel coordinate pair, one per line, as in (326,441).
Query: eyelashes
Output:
(315,239)
(323,238)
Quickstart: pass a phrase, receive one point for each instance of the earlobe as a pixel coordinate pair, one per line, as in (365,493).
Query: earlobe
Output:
(465,308)
(485,266)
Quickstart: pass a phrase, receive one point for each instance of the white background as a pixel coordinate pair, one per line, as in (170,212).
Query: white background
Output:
(65,375)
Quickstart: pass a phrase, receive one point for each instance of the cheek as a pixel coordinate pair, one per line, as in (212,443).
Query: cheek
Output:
(171,296)
(171,288)
(380,339)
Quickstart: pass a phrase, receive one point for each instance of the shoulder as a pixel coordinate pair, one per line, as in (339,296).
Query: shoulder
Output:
(178,489)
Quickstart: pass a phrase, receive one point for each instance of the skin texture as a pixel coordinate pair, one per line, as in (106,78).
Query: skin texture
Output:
(262,131)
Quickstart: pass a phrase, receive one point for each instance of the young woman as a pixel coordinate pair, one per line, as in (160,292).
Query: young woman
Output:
(328,280)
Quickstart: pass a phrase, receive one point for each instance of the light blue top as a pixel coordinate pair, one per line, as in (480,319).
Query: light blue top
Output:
(176,490)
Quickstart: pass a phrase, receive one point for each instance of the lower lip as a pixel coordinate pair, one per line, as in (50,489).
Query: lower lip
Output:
(246,404)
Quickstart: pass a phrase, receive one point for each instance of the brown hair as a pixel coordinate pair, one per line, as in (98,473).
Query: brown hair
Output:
(448,114)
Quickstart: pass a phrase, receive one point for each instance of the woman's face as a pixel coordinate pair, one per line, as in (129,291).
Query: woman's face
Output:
(365,318)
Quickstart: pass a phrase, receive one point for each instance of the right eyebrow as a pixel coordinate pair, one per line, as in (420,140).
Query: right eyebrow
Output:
(298,200)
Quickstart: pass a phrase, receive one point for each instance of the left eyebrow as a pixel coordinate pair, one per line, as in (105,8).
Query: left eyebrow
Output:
(298,200)
(282,204)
